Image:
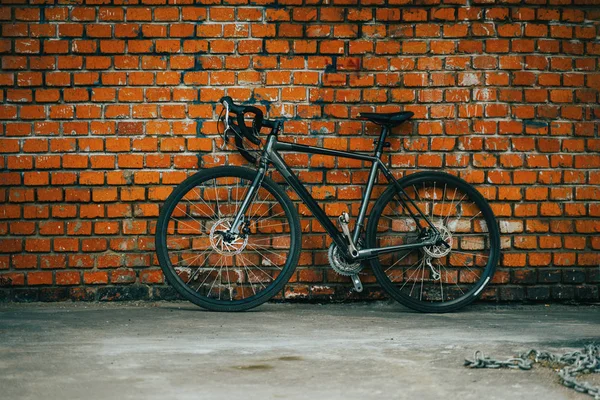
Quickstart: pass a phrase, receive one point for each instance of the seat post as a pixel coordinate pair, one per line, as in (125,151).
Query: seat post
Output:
(381,143)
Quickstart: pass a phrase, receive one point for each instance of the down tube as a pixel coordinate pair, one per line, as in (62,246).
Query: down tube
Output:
(317,211)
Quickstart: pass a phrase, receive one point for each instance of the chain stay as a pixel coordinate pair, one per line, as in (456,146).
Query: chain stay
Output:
(573,365)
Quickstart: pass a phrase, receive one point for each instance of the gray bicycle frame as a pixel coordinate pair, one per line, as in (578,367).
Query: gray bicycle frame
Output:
(271,155)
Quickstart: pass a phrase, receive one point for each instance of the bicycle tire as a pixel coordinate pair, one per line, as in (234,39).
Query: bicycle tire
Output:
(230,304)
(399,294)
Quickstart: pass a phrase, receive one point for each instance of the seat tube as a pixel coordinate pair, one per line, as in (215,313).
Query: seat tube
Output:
(365,202)
(369,189)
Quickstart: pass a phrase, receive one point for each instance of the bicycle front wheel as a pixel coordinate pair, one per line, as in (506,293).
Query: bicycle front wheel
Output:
(222,273)
(434,278)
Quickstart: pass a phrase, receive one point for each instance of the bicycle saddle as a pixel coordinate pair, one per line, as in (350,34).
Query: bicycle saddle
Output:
(390,119)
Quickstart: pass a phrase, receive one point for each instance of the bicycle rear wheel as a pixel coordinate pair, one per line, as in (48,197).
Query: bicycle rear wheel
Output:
(435,278)
(223,274)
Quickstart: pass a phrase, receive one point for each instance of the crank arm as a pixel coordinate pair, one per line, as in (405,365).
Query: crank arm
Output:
(343,221)
(357,283)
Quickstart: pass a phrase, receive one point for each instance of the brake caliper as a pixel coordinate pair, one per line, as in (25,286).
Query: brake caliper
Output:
(245,228)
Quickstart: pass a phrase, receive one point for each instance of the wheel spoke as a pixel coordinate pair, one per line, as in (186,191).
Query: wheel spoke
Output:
(443,200)
(237,195)
(472,254)
(415,271)
(189,258)
(259,281)
(451,204)
(422,281)
(406,255)
(263,201)
(231,269)
(439,276)
(247,272)
(262,270)
(202,200)
(217,197)
(181,222)
(273,216)
(433,203)
(213,284)
(442,283)
(268,251)
(456,284)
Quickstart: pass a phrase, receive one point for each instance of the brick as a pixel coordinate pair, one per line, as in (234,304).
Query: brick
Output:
(67,278)
(123,276)
(39,278)
(151,276)
(95,277)
(105,108)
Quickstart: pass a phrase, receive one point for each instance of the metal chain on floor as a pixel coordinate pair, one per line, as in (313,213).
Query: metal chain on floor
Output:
(571,365)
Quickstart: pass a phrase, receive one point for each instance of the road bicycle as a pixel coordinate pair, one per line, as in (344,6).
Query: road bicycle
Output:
(229,238)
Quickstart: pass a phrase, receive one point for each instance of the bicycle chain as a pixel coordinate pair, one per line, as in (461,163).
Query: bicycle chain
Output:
(573,364)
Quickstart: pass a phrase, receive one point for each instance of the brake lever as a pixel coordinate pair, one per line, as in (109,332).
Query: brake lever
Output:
(226,116)
(227,127)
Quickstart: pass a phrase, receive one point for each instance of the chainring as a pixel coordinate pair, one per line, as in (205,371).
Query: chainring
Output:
(339,264)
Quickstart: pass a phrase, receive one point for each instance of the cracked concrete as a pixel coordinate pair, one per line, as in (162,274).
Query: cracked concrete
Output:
(175,350)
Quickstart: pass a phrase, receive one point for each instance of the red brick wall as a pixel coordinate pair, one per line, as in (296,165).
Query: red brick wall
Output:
(104,108)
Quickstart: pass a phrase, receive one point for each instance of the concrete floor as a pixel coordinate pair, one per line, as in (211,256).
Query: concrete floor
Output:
(174,350)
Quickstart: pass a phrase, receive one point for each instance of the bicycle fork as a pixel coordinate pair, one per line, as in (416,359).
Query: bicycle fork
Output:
(239,218)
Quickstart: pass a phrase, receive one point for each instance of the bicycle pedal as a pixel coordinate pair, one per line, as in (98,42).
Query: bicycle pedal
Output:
(357,283)
(344,218)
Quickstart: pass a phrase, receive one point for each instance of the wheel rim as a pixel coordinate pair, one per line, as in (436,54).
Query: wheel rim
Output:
(210,267)
(436,275)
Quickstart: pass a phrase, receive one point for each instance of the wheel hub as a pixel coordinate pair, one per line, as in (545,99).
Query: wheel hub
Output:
(223,245)
(439,250)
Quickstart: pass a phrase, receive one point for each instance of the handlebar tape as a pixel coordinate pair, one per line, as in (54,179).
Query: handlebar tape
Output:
(232,107)
(241,111)
(256,123)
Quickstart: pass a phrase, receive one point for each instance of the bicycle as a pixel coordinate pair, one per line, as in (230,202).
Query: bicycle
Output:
(431,238)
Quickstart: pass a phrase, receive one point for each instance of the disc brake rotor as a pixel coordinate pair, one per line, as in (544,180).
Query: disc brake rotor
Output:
(439,251)
(218,242)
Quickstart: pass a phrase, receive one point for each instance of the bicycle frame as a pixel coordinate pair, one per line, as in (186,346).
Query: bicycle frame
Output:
(271,156)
